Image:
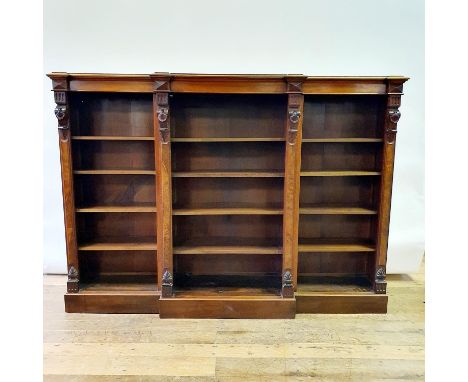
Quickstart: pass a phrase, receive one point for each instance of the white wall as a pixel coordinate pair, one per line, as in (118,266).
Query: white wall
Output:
(328,37)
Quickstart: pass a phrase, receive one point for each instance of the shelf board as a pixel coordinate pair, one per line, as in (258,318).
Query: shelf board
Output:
(337,245)
(121,283)
(116,209)
(335,210)
(227,249)
(227,211)
(333,284)
(228,174)
(114,172)
(340,173)
(110,138)
(119,246)
(228,139)
(342,140)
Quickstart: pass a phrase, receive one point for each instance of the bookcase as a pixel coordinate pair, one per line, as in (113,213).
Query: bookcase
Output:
(226,196)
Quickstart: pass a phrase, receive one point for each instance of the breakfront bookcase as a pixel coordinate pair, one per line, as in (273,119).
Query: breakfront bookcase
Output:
(230,196)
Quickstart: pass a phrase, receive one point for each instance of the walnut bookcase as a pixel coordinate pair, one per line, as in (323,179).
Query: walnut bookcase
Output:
(231,196)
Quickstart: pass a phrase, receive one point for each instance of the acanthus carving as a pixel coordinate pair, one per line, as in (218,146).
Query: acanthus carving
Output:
(287,289)
(380,282)
(166,285)
(162,100)
(73,280)
(167,278)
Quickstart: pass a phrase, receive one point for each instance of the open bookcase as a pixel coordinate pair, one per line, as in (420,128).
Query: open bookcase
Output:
(237,196)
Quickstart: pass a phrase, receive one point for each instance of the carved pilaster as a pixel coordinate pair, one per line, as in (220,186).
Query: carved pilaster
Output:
(163,160)
(380,285)
(73,281)
(167,283)
(293,138)
(60,87)
(287,288)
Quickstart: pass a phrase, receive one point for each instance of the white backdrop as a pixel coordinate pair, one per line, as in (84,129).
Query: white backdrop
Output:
(327,37)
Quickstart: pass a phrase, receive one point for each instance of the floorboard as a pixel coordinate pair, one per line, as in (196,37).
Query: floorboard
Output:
(130,348)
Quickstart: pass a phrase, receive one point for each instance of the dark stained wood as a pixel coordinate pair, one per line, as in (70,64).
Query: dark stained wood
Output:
(293,136)
(162,126)
(62,112)
(327,303)
(108,302)
(231,196)
(391,117)
(228,307)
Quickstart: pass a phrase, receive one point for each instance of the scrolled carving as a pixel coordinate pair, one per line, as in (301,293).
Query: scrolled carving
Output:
(393,118)
(60,112)
(162,114)
(294,116)
(394,115)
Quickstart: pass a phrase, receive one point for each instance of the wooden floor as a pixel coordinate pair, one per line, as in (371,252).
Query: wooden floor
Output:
(91,347)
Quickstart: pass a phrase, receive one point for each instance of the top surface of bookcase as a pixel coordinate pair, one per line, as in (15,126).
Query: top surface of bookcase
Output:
(227,83)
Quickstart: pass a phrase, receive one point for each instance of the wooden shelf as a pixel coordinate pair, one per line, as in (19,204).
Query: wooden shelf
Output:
(340,173)
(231,249)
(227,211)
(114,172)
(110,138)
(227,139)
(338,245)
(121,283)
(342,140)
(116,209)
(333,284)
(119,246)
(229,174)
(335,210)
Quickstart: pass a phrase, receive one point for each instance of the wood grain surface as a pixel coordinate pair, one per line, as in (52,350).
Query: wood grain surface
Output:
(102,348)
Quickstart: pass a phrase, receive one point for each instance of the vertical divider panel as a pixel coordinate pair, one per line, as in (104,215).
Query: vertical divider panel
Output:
(61,89)
(293,133)
(161,109)
(392,115)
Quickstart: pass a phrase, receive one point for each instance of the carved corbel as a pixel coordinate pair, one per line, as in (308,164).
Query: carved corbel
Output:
(162,114)
(287,289)
(73,280)
(393,116)
(167,283)
(294,117)
(61,110)
(380,281)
